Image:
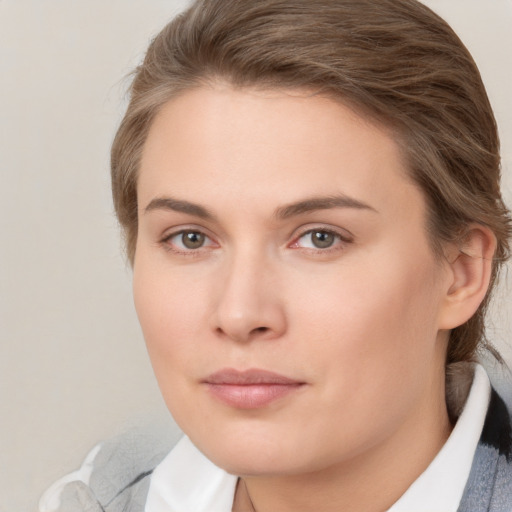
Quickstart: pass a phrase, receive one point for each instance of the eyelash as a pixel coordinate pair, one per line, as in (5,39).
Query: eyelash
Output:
(340,240)
(339,243)
(170,247)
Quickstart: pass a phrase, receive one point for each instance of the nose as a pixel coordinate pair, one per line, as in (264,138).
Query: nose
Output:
(249,302)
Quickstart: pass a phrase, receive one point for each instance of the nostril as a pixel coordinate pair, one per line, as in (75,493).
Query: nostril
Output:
(260,329)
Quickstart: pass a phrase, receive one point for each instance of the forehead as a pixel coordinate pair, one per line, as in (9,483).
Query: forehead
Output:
(217,143)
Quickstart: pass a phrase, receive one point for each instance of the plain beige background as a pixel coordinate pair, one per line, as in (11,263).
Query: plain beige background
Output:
(73,367)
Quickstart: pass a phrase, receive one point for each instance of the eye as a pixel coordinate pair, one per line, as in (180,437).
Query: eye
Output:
(187,240)
(319,239)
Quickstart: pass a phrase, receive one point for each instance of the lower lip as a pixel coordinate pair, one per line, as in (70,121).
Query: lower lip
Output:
(251,396)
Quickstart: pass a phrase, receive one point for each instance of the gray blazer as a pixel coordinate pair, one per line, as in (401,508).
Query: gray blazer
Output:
(120,480)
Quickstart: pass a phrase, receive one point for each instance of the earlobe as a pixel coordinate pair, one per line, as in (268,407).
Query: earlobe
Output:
(470,266)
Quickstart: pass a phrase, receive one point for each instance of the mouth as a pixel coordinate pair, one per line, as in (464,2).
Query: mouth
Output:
(250,389)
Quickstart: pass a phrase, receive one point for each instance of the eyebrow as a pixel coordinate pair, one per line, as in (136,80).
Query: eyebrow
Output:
(178,205)
(282,213)
(321,203)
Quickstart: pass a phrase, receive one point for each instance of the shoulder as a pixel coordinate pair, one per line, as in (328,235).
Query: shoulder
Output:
(489,485)
(115,471)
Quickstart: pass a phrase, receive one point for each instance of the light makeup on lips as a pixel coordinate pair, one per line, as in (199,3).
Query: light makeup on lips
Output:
(250,389)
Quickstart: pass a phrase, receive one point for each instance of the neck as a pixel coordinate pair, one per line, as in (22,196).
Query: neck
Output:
(370,482)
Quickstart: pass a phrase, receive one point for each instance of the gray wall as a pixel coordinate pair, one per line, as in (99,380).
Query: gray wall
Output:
(73,367)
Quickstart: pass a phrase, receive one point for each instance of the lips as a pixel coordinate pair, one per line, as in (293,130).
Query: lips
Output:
(250,389)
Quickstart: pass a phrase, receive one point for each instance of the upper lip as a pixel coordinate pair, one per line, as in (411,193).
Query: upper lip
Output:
(253,376)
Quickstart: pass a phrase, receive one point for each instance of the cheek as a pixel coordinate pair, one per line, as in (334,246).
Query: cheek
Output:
(170,312)
(368,338)
(369,323)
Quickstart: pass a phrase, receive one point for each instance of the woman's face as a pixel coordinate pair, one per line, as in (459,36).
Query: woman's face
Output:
(284,282)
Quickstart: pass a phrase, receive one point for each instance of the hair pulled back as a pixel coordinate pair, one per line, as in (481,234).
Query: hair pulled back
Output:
(393,61)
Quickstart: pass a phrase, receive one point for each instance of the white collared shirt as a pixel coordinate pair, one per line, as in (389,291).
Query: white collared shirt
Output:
(186,481)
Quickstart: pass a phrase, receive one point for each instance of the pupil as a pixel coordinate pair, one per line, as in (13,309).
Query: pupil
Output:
(193,240)
(322,239)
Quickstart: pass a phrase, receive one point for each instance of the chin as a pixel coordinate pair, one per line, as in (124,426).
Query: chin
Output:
(263,456)
(247,465)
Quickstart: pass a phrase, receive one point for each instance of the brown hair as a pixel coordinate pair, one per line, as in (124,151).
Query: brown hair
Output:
(394,61)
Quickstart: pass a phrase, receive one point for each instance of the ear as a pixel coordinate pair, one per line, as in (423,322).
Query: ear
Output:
(469,273)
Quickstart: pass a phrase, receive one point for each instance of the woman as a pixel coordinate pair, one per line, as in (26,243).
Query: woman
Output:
(309,192)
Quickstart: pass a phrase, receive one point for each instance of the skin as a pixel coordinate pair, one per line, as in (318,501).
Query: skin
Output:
(363,324)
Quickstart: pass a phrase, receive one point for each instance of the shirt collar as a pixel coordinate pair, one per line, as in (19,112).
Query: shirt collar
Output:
(448,473)
(186,481)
